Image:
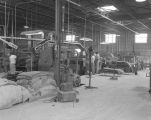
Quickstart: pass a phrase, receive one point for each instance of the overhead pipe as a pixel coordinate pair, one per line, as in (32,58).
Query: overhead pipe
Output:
(21,38)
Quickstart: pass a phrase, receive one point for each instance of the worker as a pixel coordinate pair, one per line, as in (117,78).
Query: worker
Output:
(142,64)
(12,63)
(136,68)
(97,61)
(103,63)
(92,63)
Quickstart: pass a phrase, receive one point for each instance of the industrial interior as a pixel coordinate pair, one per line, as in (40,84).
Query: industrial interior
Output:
(75,59)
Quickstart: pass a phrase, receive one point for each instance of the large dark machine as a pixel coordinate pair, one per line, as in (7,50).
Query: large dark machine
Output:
(72,55)
(41,55)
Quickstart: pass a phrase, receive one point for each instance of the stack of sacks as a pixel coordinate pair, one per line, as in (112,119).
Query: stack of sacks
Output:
(40,84)
(11,94)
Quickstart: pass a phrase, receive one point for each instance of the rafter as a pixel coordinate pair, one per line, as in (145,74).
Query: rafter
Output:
(127,10)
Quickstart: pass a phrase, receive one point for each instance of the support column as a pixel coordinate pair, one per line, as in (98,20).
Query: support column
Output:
(150,78)
(59,36)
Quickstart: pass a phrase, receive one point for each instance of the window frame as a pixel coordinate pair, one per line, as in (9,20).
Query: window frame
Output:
(139,36)
(110,38)
(70,38)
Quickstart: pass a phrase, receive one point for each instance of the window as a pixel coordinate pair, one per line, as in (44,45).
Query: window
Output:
(110,38)
(70,38)
(141,38)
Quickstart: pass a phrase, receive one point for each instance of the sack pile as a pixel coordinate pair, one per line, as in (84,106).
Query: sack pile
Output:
(11,94)
(39,84)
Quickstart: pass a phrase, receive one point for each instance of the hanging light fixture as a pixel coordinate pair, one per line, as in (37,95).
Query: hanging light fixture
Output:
(140,0)
(26,26)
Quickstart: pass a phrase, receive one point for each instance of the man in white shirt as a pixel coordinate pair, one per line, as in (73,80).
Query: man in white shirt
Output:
(12,65)
(97,62)
(92,63)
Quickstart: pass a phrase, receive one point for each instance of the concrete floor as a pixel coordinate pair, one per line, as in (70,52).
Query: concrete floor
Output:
(124,99)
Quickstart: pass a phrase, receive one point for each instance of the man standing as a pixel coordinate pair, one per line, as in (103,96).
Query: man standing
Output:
(97,62)
(93,63)
(12,63)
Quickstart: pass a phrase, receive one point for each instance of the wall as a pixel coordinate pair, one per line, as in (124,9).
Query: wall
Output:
(125,44)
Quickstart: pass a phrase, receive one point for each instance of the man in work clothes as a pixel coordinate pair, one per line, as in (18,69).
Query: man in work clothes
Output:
(12,63)
(93,63)
(97,61)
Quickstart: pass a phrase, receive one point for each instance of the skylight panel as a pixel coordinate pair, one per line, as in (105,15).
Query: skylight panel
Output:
(110,8)
(140,0)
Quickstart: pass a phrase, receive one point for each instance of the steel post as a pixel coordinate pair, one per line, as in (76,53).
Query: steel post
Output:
(150,78)
(58,30)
